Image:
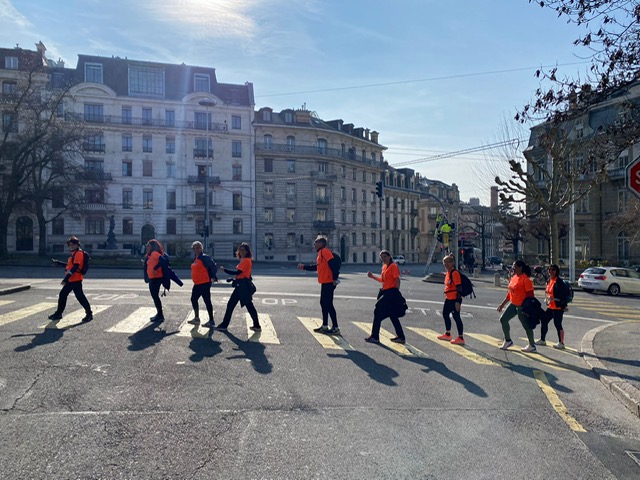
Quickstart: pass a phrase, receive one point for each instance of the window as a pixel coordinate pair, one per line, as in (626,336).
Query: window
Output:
(323,167)
(237,226)
(93,113)
(57,197)
(127,226)
(147,116)
(321,215)
(93,72)
(127,143)
(11,63)
(343,194)
(364,176)
(202,120)
(127,199)
(199,199)
(127,169)
(291,166)
(9,87)
(321,193)
(268,190)
(364,196)
(147,199)
(57,226)
(268,241)
(266,115)
(171,200)
(268,142)
(236,149)
(268,165)
(147,144)
(171,226)
(288,117)
(93,195)
(353,217)
(203,147)
(146,81)
(623,246)
(354,197)
(147,168)
(236,172)
(354,174)
(373,158)
(291,240)
(622,199)
(237,201)
(322,146)
(236,122)
(94,143)
(268,215)
(364,217)
(291,191)
(126,115)
(291,214)
(171,170)
(291,143)
(9,122)
(94,167)
(170,145)
(354,239)
(582,205)
(364,239)
(343,216)
(169,118)
(94,226)
(201,82)
(373,239)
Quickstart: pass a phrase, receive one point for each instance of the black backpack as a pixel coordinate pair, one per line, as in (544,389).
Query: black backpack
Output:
(85,263)
(466,287)
(337,262)
(565,293)
(532,309)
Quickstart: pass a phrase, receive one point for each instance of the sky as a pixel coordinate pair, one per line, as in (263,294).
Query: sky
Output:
(432,77)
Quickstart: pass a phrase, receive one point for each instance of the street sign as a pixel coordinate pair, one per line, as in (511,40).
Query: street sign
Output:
(633,177)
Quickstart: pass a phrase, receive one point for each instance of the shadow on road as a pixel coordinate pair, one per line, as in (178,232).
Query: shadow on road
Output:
(253,351)
(376,371)
(149,336)
(49,335)
(203,346)
(432,365)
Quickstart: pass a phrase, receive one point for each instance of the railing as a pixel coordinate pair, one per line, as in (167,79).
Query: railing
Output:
(93,175)
(323,175)
(374,225)
(323,200)
(200,179)
(324,224)
(202,153)
(95,148)
(312,150)
(617,172)
(145,122)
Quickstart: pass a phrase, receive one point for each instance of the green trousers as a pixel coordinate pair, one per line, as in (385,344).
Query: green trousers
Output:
(510,312)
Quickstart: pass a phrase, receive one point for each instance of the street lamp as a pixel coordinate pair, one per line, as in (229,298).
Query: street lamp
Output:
(207,103)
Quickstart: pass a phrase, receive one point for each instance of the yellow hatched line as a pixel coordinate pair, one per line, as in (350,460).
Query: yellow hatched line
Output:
(134,322)
(5,302)
(555,402)
(268,332)
(488,339)
(194,331)
(74,318)
(16,315)
(405,350)
(460,350)
(330,342)
(622,315)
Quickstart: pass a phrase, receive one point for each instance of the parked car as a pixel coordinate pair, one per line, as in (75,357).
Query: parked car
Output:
(494,261)
(613,280)
(399,259)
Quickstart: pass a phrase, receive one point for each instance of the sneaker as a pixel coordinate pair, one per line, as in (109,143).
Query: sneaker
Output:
(87,318)
(221,329)
(559,346)
(209,324)
(541,342)
(371,340)
(256,329)
(528,349)
(322,329)
(333,331)
(506,344)
(55,316)
(398,340)
(157,318)
(445,336)
(194,321)
(458,341)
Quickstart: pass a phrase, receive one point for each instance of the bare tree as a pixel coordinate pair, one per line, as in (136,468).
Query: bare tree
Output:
(627,220)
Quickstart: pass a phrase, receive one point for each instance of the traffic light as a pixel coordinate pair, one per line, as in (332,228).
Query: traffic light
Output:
(380,189)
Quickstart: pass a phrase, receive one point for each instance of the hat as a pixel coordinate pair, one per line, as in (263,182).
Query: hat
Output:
(73,239)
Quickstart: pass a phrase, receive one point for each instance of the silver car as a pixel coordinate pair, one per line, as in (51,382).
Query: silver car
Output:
(613,280)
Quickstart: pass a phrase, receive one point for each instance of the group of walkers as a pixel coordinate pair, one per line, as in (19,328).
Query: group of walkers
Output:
(390,302)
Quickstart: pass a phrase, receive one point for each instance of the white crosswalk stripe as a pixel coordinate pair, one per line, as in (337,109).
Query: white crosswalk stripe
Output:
(267,334)
(134,322)
(74,318)
(21,313)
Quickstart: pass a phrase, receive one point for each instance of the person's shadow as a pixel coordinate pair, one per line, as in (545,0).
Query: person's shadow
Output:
(149,336)
(254,351)
(48,335)
(376,371)
(432,365)
(203,346)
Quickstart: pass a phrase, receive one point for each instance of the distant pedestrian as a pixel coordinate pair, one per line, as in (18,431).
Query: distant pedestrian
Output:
(153,275)
(556,300)
(390,301)
(72,281)
(452,302)
(328,271)
(203,274)
(520,287)
(243,289)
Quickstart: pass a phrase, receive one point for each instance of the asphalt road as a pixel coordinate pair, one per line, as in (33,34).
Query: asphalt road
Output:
(122,398)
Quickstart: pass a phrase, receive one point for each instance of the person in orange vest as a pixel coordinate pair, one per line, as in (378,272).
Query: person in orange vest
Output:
(452,302)
(153,275)
(328,280)
(203,274)
(72,282)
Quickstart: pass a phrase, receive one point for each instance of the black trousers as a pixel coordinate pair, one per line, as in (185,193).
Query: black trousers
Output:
(231,305)
(545,319)
(448,309)
(76,288)
(387,305)
(203,290)
(154,288)
(326,304)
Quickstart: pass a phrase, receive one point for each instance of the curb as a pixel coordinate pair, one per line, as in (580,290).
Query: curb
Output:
(19,288)
(626,393)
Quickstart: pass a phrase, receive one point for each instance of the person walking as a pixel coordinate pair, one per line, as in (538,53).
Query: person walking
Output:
(203,274)
(390,301)
(328,279)
(243,289)
(555,298)
(452,302)
(153,275)
(520,287)
(72,281)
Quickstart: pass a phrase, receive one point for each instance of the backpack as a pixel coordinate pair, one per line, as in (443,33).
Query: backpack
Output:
(532,309)
(337,262)
(85,263)
(566,293)
(466,287)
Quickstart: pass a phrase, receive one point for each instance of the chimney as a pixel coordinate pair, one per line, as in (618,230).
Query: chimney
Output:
(41,48)
(366,133)
(374,136)
(494,197)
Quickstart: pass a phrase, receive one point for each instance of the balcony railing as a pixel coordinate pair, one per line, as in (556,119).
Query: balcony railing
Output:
(323,175)
(145,122)
(202,153)
(374,225)
(323,200)
(324,224)
(94,175)
(311,150)
(94,147)
(616,172)
(200,179)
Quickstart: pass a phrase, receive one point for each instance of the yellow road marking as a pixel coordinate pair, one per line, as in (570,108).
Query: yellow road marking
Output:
(488,339)
(5,302)
(405,350)
(194,331)
(460,350)
(16,315)
(268,332)
(74,318)
(330,342)
(134,322)
(555,402)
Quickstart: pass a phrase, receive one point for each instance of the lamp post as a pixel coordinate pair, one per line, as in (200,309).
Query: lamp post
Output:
(207,103)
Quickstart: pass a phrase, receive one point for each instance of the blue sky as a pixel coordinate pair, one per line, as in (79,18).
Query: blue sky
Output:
(307,51)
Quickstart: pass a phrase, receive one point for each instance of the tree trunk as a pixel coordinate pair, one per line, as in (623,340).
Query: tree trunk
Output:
(4,232)
(555,240)
(42,229)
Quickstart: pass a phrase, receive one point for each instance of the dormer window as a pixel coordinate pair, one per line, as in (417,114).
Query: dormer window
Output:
(201,83)
(93,72)
(266,115)
(288,117)
(11,63)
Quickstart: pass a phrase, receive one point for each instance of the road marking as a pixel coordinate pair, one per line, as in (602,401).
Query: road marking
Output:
(330,342)
(460,350)
(555,401)
(134,322)
(194,331)
(405,350)
(488,339)
(268,332)
(16,315)
(5,302)
(74,318)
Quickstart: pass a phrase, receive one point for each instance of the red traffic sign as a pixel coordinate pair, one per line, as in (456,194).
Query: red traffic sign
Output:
(633,176)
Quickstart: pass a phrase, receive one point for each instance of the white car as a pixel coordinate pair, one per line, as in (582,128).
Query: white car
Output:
(399,259)
(613,280)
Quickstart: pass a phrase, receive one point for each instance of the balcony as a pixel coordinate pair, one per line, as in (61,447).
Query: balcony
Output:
(194,179)
(300,150)
(323,175)
(202,153)
(374,225)
(323,200)
(94,175)
(94,147)
(199,208)
(324,224)
(617,173)
(145,122)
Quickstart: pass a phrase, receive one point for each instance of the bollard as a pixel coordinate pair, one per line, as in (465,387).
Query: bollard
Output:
(496,280)
(476,272)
